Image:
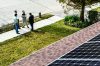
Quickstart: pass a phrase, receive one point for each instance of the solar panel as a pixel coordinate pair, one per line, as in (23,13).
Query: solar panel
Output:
(87,50)
(88,54)
(97,38)
(75,63)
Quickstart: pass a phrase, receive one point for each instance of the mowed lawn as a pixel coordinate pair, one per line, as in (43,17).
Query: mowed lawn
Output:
(16,48)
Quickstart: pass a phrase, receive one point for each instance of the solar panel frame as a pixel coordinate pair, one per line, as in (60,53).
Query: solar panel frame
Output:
(96,38)
(76,63)
(91,51)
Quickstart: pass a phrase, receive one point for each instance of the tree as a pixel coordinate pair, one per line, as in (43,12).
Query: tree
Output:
(79,4)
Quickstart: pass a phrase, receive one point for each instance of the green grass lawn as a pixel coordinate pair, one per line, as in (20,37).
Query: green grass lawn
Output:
(16,48)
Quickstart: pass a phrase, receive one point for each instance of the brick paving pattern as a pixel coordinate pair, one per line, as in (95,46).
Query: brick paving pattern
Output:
(48,54)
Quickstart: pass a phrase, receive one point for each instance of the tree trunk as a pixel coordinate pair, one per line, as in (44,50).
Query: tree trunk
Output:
(82,11)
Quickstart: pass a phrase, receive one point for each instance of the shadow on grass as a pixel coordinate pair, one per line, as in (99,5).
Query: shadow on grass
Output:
(60,31)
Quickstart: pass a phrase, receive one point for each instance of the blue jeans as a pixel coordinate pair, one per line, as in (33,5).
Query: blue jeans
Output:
(31,24)
(16,27)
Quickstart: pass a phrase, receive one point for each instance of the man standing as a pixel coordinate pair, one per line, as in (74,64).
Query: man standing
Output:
(31,20)
(17,18)
(15,11)
(16,23)
(24,19)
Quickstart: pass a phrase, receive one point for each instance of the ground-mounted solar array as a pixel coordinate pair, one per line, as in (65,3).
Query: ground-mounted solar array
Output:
(88,54)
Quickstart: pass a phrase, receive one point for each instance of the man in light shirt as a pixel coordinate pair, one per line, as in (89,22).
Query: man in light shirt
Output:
(16,23)
(24,19)
(17,18)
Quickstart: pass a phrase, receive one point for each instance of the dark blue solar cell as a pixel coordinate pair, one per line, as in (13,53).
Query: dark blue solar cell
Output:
(98,64)
(79,56)
(76,63)
(83,52)
(97,38)
(54,65)
(93,63)
(57,61)
(86,62)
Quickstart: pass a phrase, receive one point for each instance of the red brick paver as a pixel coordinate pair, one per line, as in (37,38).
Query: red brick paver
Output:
(65,45)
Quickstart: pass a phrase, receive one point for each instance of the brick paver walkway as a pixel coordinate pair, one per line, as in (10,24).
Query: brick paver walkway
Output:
(48,54)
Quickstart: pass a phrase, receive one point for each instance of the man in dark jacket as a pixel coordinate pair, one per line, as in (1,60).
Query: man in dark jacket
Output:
(31,20)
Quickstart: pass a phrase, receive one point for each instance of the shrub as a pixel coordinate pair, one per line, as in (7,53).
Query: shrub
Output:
(93,16)
(76,18)
(75,21)
(98,16)
(71,19)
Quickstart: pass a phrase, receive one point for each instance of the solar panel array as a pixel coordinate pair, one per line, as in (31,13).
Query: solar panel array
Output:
(75,63)
(87,50)
(97,38)
(88,54)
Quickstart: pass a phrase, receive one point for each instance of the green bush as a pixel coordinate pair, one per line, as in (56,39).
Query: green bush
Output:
(71,19)
(67,19)
(76,18)
(99,16)
(93,16)
(75,22)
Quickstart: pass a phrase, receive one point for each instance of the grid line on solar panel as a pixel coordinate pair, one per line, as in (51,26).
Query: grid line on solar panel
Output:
(92,41)
(88,54)
(81,59)
(75,63)
(97,38)
(87,50)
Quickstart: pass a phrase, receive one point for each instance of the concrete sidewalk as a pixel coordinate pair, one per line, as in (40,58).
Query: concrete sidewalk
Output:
(11,34)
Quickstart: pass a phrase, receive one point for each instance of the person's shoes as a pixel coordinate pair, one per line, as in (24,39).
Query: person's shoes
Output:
(23,27)
(27,27)
(32,30)
(18,33)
